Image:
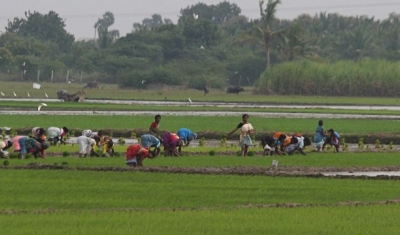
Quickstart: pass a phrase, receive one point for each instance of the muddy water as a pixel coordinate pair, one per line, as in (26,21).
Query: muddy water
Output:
(199,113)
(207,113)
(219,104)
(368,173)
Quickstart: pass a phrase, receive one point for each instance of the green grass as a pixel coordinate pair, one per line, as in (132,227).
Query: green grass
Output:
(381,219)
(203,123)
(89,202)
(181,94)
(360,159)
(87,190)
(77,202)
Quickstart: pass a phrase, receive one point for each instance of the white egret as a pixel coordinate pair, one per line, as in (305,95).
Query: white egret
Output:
(40,106)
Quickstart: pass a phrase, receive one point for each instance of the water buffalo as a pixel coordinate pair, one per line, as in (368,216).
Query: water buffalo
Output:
(92,84)
(205,89)
(234,90)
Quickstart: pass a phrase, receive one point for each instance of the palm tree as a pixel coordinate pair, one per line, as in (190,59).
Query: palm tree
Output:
(264,31)
(101,26)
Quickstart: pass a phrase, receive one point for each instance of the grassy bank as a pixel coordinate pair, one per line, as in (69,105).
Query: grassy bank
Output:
(181,94)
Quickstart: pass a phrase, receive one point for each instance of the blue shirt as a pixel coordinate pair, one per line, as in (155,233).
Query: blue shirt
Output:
(186,134)
(148,140)
(319,134)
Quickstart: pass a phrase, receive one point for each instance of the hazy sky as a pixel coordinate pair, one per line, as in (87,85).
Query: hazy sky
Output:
(81,15)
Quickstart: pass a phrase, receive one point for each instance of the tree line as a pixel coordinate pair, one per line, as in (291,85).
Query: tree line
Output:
(211,45)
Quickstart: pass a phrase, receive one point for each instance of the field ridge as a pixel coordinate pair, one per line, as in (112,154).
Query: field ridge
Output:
(314,172)
(208,208)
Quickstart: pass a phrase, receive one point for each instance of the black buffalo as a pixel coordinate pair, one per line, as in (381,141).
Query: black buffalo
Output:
(234,90)
(205,89)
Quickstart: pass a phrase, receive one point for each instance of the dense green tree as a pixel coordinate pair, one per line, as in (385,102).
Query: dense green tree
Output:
(154,22)
(222,12)
(47,27)
(199,32)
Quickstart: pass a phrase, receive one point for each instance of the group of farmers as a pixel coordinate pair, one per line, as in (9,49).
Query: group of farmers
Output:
(36,143)
(280,143)
(172,143)
(149,145)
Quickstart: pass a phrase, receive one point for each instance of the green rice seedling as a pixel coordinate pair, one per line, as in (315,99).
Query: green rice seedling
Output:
(13,133)
(223,142)
(361,144)
(250,153)
(220,124)
(133,135)
(283,219)
(211,153)
(98,190)
(29,156)
(377,144)
(117,154)
(13,155)
(64,164)
(325,159)
(66,154)
(202,142)
(391,145)
(121,141)
(6,163)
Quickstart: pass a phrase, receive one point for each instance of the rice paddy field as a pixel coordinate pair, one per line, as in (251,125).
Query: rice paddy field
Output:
(208,190)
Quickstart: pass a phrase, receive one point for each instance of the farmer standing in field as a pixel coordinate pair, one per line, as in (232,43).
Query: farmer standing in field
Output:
(135,154)
(150,141)
(153,129)
(246,129)
(319,136)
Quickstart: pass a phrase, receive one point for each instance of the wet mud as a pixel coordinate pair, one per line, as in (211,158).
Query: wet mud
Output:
(384,173)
